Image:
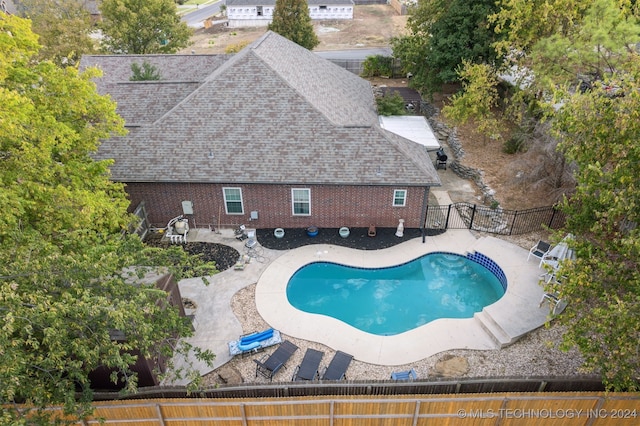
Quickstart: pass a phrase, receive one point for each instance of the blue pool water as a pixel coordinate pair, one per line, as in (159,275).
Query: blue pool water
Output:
(387,301)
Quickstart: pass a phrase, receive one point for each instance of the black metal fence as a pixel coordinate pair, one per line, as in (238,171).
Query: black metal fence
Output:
(347,388)
(493,220)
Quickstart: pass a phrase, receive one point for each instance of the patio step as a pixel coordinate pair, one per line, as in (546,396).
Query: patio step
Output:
(493,329)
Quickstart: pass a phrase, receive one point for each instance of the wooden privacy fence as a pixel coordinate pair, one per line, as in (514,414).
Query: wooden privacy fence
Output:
(588,408)
(493,220)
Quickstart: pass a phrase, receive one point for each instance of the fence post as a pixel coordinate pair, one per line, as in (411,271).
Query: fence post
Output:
(553,215)
(446,222)
(473,213)
(160,417)
(513,223)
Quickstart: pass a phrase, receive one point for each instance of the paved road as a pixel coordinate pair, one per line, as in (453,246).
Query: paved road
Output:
(196,18)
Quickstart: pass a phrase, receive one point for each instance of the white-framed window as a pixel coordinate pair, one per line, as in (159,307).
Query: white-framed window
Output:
(301,201)
(233,200)
(399,197)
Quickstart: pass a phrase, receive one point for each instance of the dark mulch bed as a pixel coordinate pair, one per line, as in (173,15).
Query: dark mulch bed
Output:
(358,238)
(223,256)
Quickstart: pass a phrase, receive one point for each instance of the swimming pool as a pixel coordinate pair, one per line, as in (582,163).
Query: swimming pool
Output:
(392,300)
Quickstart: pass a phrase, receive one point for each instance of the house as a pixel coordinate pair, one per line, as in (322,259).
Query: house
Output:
(272,137)
(257,13)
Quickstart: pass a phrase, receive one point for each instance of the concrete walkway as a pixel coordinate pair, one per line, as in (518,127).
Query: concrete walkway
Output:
(499,324)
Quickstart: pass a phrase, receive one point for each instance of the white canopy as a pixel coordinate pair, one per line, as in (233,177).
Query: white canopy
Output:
(413,127)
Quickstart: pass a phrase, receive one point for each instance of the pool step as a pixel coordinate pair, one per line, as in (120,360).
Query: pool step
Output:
(493,329)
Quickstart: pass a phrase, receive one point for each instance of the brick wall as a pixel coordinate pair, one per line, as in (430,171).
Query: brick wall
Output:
(331,206)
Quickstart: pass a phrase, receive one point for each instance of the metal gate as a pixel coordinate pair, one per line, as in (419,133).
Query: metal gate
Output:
(493,220)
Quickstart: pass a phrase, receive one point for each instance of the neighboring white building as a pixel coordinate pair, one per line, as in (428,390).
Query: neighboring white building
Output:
(259,13)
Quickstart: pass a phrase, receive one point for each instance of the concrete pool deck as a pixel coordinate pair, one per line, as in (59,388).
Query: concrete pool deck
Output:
(499,324)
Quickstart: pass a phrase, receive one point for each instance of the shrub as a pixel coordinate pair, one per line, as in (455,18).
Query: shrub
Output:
(235,48)
(391,104)
(377,65)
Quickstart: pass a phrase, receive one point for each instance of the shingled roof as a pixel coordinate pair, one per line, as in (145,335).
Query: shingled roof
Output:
(272,113)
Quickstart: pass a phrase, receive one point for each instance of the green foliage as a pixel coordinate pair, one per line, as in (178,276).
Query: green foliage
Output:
(514,144)
(392,103)
(291,20)
(66,270)
(142,27)
(443,34)
(477,99)
(599,133)
(554,43)
(601,46)
(146,72)
(524,22)
(64,28)
(377,65)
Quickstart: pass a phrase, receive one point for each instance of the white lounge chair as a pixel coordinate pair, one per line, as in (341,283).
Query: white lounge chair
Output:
(539,251)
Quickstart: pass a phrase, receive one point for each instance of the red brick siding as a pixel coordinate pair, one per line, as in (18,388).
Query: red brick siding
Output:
(331,206)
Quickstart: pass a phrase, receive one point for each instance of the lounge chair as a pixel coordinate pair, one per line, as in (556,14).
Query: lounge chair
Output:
(308,368)
(270,366)
(409,375)
(539,251)
(337,368)
(556,304)
(254,342)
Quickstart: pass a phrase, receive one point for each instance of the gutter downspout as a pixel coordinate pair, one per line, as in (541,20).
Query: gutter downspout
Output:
(423,220)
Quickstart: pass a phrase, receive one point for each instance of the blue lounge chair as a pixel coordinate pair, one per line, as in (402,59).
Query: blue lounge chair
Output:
(409,375)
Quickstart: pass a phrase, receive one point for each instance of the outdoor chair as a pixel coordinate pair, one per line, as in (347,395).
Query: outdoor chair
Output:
(270,366)
(556,304)
(409,375)
(337,368)
(308,368)
(539,251)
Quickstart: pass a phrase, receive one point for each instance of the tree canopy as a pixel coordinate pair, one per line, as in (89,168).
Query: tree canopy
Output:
(578,69)
(64,28)
(599,132)
(291,20)
(66,267)
(142,27)
(442,35)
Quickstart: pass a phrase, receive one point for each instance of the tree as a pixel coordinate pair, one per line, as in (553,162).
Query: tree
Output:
(437,46)
(64,28)
(599,132)
(391,103)
(142,27)
(584,65)
(477,100)
(66,267)
(291,20)
(146,72)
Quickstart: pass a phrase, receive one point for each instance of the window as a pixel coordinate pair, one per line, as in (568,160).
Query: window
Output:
(259,10)
(399,197)
(233,200)
(301,202)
